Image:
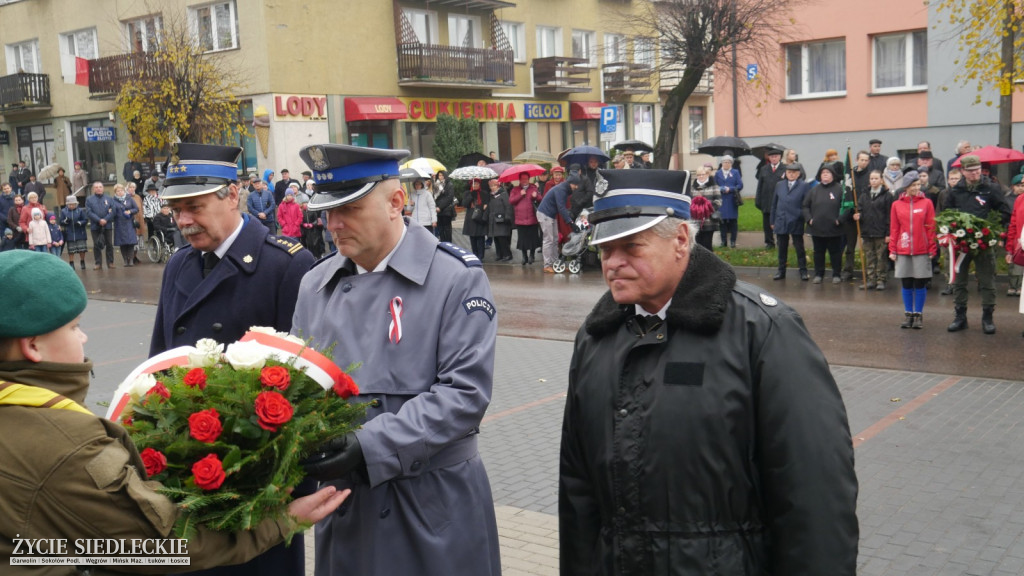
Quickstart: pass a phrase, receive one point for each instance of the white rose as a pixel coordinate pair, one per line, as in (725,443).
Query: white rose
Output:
(944,229)
(961,233)
(207,353)
(973,245)
(245,355)
(294,339)
(141,385)
(264,330)
(978,235)
(993,242)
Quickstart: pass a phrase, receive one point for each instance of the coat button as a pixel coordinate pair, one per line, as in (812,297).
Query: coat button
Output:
(346,287)
(661,336)
(384,512)
(375,403)
(180,329)
(217,326)
(416,466)
(623,412)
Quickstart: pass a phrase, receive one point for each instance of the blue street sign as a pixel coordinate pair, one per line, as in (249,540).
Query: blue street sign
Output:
(609,119)
(751,71)
(100,134)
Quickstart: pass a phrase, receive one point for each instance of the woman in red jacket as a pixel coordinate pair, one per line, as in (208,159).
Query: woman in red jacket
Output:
(1013,234)
(912,245)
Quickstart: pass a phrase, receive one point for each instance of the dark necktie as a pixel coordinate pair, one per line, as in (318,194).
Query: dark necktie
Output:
(647,322)
(210,260)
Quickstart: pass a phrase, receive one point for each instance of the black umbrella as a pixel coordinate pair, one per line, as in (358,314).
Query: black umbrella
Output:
(635,145)
(760,150)
(472,159)
(722,145)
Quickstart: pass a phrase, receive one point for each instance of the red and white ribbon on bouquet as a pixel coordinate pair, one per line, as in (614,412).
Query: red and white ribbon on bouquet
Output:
(395,329)
(317,366)
(954,259)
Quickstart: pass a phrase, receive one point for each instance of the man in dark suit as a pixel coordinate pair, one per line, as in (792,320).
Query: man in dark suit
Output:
(788,221)
(767,178)
(281,186)
(232,276)
(22,174)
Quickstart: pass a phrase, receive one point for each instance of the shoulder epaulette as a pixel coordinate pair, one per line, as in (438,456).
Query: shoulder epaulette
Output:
(466,257)
(286,244)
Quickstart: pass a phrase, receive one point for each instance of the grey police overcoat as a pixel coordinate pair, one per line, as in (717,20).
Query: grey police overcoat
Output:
(426,507)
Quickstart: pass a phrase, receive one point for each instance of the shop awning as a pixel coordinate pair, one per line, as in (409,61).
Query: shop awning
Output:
(585,110)
(374,109)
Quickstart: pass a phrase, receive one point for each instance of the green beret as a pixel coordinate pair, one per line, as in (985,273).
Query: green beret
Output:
(1016,179)
(49,294)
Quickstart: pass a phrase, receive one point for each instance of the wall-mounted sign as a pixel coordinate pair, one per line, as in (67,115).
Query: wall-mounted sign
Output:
(428,109)
(100,134)
(299,108)
(5,137)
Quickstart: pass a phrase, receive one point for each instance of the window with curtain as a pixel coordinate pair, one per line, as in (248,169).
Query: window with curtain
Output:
(143,34)
(583,45)
(549,41)
(516,34)
(816,69)
(216,26)
(643,51)
(23,57)
(614,48)
(464,31)
(696,127)
(81,43)
(424,23)
(901,61)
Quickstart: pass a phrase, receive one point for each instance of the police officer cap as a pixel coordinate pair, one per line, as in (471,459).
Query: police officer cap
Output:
(343,174)
(635,200)
(197,169)
(23,272)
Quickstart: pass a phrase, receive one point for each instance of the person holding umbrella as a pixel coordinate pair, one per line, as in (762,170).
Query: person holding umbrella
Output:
(524,198)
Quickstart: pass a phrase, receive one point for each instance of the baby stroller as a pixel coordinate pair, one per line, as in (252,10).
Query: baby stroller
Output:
(575,248)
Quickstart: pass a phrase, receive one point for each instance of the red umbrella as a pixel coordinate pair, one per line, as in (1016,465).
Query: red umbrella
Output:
(511,174)
(994,155)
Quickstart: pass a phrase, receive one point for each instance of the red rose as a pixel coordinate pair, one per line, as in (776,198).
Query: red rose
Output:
(986,231)
(345,386)
(275,377)
(127,421)
(195,377)
(970,230)
(982,246)
(154,461)
(159,390)
(208,472)
(205,425)
(272,409)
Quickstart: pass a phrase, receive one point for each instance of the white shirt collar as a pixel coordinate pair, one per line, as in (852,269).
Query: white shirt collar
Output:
(221,250)
(384,263)
(663,313)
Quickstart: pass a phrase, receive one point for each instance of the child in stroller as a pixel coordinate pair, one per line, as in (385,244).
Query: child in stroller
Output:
(575,247)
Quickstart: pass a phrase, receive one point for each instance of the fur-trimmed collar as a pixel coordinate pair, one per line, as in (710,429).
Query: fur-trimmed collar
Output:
(698,304)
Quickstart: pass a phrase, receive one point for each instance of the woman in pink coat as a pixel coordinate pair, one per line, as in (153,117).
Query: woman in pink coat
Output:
(524,199)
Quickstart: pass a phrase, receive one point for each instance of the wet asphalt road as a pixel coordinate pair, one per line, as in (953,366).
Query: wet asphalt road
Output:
(853,327)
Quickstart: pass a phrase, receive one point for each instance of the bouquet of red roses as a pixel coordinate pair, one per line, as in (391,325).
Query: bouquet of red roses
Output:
(964,234)
(225,431)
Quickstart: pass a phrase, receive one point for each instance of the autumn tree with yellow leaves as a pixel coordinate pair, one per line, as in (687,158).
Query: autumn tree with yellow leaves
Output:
(988,37)
(178,94)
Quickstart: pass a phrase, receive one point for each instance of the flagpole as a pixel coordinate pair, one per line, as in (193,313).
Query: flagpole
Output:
(856,210)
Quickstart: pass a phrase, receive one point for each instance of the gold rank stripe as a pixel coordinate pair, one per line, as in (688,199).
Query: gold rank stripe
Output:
(295,248)
(12,394)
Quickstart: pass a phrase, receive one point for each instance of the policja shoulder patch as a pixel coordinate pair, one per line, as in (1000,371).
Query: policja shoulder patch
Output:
(480,303)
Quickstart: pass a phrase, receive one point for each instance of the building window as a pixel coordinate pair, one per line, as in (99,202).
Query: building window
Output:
(81,43)
(901,61)
(143,33)
(549,41)
(97,158)
(370,133)
(614,49)
(215,25)
(23,57)
(35,146)
(464,31)
(516,34)
(643,51)
(424,24)
(643,122)
(583,46)
(816,69)
(696,127)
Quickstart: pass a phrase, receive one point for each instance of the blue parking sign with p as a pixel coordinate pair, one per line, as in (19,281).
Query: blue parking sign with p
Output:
(609,119)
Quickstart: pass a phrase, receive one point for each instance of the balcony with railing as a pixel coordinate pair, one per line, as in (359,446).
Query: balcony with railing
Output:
(561,74)
(453,66)
(108,74)
(671,78)
(23,92)
(626,78)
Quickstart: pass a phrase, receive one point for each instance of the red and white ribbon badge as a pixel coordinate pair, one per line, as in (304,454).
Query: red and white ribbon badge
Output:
(395,329)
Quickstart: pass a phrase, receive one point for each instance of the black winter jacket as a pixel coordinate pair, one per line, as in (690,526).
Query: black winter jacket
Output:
(984,198)
(874,213)
(716,444)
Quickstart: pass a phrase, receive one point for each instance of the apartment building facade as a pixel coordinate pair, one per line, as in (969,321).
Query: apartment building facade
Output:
(535,73)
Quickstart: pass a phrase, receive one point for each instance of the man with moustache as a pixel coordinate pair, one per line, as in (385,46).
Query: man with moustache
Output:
(232,276)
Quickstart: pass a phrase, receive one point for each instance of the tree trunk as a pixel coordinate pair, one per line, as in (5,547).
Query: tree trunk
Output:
(670,114)
(1006,91)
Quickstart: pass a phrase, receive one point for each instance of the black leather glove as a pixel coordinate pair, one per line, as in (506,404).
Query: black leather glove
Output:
(336,459)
